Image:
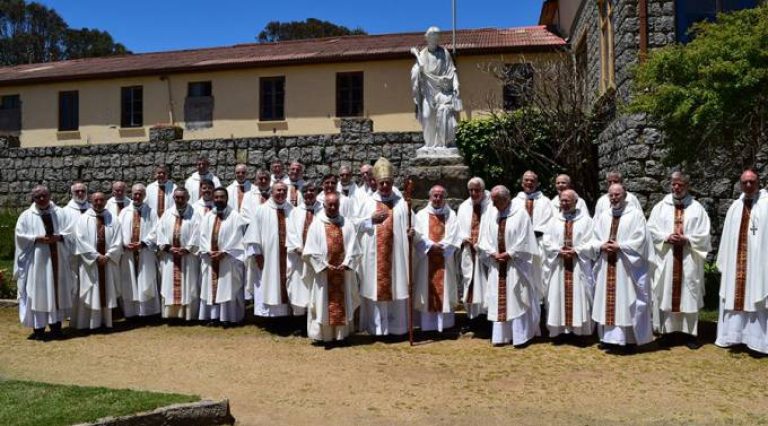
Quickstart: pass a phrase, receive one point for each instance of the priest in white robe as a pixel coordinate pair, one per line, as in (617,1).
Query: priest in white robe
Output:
(743,317)
(295,183)
(257,196)
(70,213)
(604,202)
(41,266)
(365,185)
(569,257)
(679,229)
(119,199)
(300,273)
(332,251)
(347,187)
(239,187)
(99,247)
(436,241)
(222,255)
(508,247)
(178,238)
(205,203)
(622,305)
(330,183)
(474,273)
(383,229)
(563,182)
(138,266)
(195,181)
(266,240)
(160,192)
(278,174)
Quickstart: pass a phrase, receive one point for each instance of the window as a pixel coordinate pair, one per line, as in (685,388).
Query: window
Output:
(69,110)
(688,12)
(349,94)
(272,98)
(518,85)
(132,107)
(10,113)
(198,89)
(607,61)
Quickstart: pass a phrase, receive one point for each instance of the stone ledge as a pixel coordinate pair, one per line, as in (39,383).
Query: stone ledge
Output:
(197,413)
(9,303)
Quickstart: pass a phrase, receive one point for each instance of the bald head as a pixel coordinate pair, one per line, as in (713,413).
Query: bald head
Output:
(562,182)
(530,182)
(437,196)
(568,200)
(118,189)
(500,196)
(241,172)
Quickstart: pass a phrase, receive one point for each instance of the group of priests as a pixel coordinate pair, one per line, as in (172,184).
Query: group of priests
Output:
(342,257)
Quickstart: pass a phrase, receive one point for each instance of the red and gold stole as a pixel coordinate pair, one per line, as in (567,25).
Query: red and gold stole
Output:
(610,280)
(160,199)
(136,238)
(474,234)
(54,248)
(436,262)
(385,241)
(215,262)
(240,195)
(568,274)
(502,247)
(336,296)
(741,256)
(101,248)
(283,255)
(677,261)
(177,260)
(307,221)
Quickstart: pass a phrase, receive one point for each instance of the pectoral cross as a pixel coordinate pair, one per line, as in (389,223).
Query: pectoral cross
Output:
(753,228)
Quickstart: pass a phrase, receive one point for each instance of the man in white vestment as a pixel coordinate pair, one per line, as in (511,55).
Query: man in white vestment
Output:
(70,213)
(278,175)
(332,251)
(563,182)
(160,192)
(239,187)
(256,197)
(679,229)
(222,254)
(604,203)
(41,266)
(743,318)
(178,238)
(99,247)
(300,273)
(205,203)
(365,186)
(436,240)
(138,265)
(330,183)
(195,181)
(621,305)
(295,183)
(508,247)
(119,199)
(266,240)
(383,229)
(568,257)
(474,272)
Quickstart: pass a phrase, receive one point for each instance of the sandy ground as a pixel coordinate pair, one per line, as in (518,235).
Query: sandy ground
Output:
(283,379)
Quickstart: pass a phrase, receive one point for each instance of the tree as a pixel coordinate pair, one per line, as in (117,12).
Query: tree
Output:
(298,30)
(710,97)
(89,43)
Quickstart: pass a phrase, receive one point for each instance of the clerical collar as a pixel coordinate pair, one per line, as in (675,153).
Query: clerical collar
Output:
(506,212)
(338,220)
(684,201)
(222,212)
(532,195)
(390,197)
(99,212)
(181,211)
(46,210)
(571,215)
(310,206)
(442,211)
(617,211)
(274,205)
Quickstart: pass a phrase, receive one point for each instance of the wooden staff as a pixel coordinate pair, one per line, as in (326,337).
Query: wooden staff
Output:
(408,197)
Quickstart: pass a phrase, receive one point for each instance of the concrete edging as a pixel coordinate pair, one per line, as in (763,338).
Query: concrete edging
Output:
(199,413)
(8,303)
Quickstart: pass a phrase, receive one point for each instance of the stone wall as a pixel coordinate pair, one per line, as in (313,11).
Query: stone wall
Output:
(98,165)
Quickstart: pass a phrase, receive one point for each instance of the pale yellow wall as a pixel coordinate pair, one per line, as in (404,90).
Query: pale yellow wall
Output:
(310,101)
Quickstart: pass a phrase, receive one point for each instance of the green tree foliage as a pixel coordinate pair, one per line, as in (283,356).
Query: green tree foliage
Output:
(711,95)
(32,33)
(298,30)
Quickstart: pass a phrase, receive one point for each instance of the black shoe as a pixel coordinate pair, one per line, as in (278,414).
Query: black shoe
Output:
(37,334)
(693,344)
(664,341)
(56,332)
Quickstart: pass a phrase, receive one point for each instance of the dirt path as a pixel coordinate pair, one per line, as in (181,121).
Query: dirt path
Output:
(285,380)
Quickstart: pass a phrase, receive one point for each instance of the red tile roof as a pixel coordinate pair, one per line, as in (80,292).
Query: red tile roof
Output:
(321,50)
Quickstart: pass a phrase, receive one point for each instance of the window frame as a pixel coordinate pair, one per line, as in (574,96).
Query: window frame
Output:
(607,47)
(73,123)
(131,109)
(272,95)
(351,106)
(207,85)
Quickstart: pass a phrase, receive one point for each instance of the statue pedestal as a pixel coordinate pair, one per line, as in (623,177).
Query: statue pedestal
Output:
(441,166)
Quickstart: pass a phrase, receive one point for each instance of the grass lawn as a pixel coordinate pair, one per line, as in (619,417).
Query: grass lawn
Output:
(34,403)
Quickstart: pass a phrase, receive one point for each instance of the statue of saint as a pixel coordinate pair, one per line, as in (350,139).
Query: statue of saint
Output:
(435,89)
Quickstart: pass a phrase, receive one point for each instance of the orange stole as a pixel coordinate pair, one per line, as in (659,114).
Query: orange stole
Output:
(502,297)
(741,256)
(160,199)
(677,262)
(474,234)
(177,261)
(334,237)
(135,238)
(283,255)
(215,263)
(101,247)
(54,248)
(240,195)
(385,241)
(529,207)
(568,274)
(436,262)
(307,221)
(610,279)
(293,195)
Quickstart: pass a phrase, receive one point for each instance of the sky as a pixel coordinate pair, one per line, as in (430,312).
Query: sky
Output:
(149,26)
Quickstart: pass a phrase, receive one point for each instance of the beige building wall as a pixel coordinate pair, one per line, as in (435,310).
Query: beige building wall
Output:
(310,101)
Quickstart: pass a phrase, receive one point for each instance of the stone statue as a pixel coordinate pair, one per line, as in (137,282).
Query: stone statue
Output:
(435,89)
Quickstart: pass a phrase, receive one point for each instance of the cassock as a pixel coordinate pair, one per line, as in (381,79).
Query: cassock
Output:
(42,271)
(237,192)
(603,203)
(193,184)
(678,284)
(97,234)
(539,210)
(179,274)
(510,297)
(160,197)
(334,294)
(221,289)
(384,266)
(743,317)
(116,206)
(138,269)
(581,205)
(294,192)
(252,201)
(570,284)
(435,272)
(621,306)
(267,235)
(474,273)
(300,274)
